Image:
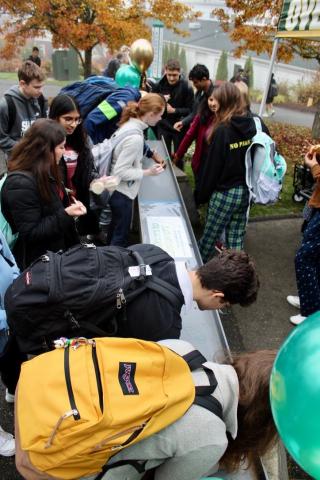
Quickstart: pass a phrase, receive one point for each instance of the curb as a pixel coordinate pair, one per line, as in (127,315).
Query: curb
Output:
(269,218)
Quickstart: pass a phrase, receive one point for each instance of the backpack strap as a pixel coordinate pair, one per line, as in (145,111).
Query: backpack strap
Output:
(165,289)
(140,467)
(257,122)
(11,111)
(203,396)
(42,105)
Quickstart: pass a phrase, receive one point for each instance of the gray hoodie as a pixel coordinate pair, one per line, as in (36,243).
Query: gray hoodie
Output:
(192,446)
(27,111)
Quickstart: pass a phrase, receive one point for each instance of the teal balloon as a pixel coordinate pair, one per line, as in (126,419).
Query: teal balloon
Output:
(295,394)
(128,75)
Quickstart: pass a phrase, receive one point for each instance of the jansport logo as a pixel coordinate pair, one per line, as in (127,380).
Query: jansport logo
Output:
(126,378)
(28,278)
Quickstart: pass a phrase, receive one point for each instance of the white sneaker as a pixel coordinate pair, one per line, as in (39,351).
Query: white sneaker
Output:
(9,397)
(265,115)
(297,319)
(7,444)
(294,300)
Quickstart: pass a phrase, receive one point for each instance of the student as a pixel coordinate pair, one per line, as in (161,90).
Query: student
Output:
(223,181)
(34,57)
(307,257)
(200,442)
(179,97)
(33,198)
(199,131)
(229,278)
(77,163)
(127,162)
(199,76)
(272,92)
(10,358)
(21,106)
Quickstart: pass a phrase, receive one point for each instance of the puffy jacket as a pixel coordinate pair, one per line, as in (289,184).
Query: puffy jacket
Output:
(41,226)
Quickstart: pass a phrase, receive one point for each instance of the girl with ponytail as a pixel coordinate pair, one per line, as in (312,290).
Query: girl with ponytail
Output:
(127,162)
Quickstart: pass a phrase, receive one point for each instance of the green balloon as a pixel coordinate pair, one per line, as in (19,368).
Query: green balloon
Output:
(128,75)
(295,394)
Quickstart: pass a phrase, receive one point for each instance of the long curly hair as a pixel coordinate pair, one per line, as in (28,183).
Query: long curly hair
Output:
(256,428)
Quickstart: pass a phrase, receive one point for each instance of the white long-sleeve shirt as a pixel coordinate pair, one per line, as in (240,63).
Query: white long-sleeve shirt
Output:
(127,158)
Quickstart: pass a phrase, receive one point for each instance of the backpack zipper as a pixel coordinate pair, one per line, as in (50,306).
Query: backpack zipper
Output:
(76,414)
(57,426)
(120,299)
(98,376)
(135,431)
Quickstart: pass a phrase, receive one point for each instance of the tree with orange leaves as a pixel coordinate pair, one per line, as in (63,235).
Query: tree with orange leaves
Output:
(83,24)
(252,26)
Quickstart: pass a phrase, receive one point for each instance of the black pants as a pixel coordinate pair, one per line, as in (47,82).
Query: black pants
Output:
(121,207)
(10,365)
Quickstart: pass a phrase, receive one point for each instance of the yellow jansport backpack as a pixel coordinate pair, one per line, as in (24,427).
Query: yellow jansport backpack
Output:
(79,405)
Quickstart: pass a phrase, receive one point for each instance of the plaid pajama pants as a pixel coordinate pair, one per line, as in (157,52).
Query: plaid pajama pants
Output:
(227,211)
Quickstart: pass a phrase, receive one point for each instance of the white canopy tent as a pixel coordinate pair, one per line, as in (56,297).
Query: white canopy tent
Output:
(298,19)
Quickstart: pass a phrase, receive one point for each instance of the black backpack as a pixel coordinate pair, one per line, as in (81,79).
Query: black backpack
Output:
(82,292)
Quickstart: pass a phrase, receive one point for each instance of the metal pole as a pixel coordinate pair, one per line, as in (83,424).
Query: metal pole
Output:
(265,93)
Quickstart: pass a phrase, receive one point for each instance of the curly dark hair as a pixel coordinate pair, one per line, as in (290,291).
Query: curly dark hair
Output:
(199,72)
(233,273)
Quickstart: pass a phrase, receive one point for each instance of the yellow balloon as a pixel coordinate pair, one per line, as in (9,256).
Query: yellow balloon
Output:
(141,54)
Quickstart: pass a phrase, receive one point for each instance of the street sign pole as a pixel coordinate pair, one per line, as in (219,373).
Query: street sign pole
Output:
(157,43)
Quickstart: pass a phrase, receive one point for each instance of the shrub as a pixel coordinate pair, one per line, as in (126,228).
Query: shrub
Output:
(222,69)
(304,90)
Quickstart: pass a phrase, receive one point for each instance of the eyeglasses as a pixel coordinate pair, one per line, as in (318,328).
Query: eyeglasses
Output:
(71,120)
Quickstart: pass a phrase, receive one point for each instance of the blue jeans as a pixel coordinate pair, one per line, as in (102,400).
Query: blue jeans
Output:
(121,207)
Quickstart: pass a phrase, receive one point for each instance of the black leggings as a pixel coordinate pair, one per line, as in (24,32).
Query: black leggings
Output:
(10,365)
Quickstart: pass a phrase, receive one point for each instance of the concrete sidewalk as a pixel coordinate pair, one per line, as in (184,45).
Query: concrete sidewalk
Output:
(272,244)
(265,324)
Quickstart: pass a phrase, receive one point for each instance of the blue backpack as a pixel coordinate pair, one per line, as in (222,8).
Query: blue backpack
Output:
(265,168)
(10,237)
(90,92)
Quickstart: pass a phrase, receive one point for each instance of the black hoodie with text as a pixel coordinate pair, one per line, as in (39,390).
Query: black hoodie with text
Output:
(27,110)
(224,165)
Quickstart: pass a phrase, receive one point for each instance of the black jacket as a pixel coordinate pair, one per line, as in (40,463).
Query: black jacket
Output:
(181,98)
(224,165)
(41,226)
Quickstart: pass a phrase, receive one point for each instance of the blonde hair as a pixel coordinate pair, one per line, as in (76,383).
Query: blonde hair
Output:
(151,102)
